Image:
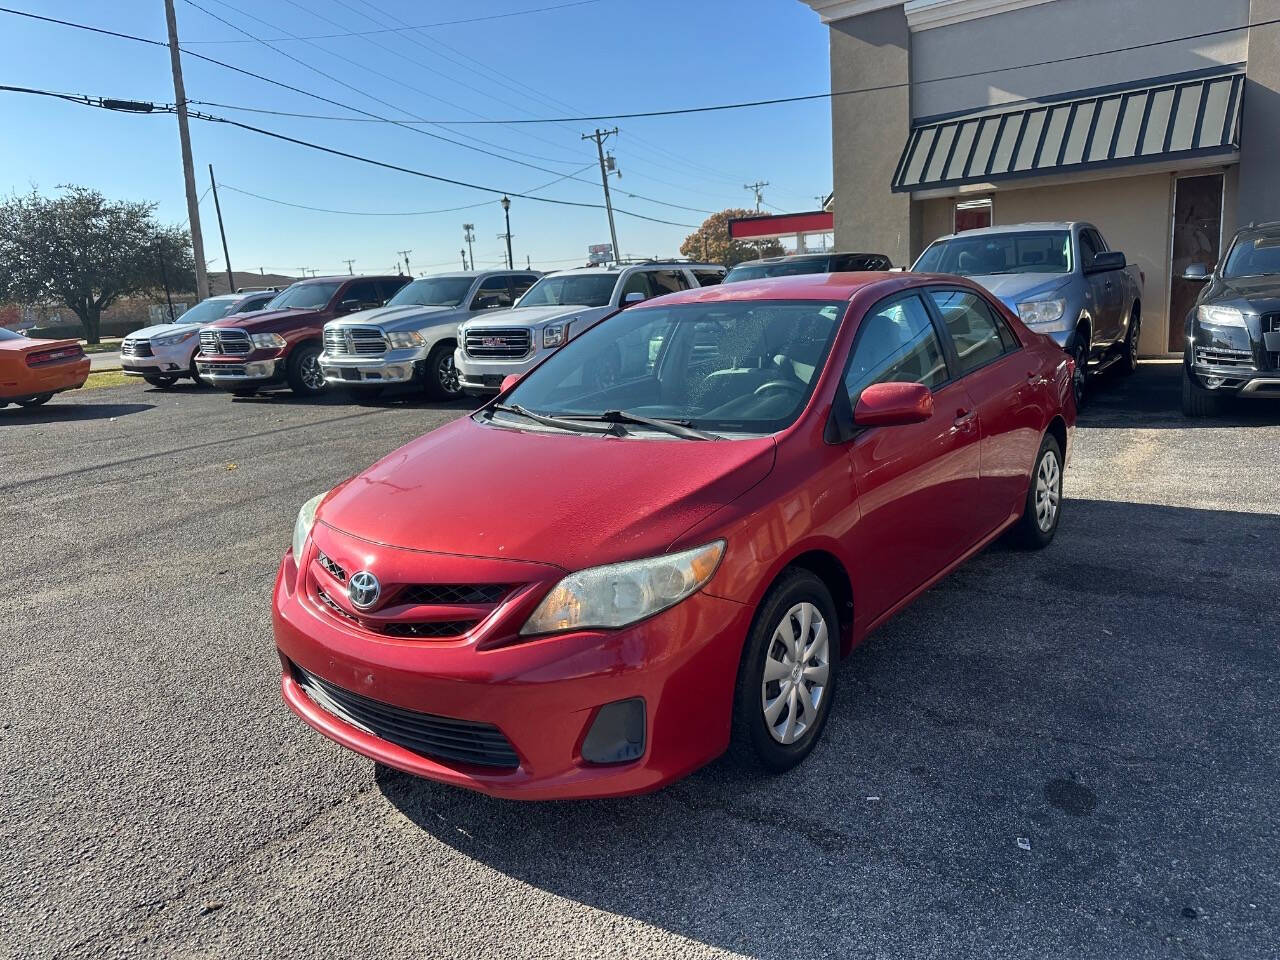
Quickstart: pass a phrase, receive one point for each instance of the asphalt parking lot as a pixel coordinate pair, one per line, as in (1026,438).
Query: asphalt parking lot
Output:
(1063,754)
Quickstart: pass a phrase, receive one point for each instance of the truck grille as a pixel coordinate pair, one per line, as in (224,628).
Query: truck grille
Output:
(1271,324)
(224,342)
(354,341)
(440,738)
(136,348)
(498,344)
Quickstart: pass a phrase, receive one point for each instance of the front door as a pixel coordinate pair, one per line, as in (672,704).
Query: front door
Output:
(1197,236)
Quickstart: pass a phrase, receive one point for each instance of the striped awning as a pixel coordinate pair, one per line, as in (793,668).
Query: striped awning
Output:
(1167,121)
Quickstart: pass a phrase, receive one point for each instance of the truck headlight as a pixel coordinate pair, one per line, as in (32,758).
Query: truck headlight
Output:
(553,336)
(302,526)
(1034,312)
(173,339)
(401,339)
(622,593)
(461,332)
(268,341)
(1220,316)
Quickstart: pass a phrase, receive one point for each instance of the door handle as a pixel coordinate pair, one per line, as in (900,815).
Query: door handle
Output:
(964,417)
(1033,376)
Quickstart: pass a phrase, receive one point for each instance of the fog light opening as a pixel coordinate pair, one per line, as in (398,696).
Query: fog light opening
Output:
(617,733)
(1213,382)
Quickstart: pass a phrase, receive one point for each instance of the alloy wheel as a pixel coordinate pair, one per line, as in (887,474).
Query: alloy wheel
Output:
(312,375)
(796,670)
(1131,345)
(1048,490)
(1079,379)
(447,374)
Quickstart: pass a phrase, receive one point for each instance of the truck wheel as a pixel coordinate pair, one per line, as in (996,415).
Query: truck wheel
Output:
(1080,379)
(164,383)
(441,376)
(195,375)
(1129,358)
(306,379)
(1043,507)
(1196,400)
(36,401)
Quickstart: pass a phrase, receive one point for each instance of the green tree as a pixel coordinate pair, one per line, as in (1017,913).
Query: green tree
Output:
(87,252)
(711,241)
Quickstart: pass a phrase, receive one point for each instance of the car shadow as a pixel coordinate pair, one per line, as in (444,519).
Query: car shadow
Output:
(55,412)
(1004,758)
(1151,398)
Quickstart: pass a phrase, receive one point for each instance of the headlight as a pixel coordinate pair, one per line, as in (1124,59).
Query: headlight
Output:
(1220,316)
(553,336)
(268,341)
(302,526)
(172,339)
(461,332)
(1041,311)
(622,593)
(405,338)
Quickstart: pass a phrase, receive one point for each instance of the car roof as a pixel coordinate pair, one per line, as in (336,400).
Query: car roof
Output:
(614,269)
(784,258)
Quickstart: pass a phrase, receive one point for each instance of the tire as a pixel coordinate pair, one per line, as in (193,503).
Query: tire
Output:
(1129,357)
(164,383)
(1080,380)
(1196,400)
(441,380)
(195,375)
(1042,509)
(303,371)
(763,712)
(36,401)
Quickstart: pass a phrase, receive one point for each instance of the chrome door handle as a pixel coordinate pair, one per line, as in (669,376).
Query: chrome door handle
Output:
(963,418)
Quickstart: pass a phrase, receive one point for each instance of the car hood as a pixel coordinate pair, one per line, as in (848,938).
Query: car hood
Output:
(529,316)
(1252,289)
(162,330)
(573,500)
(406,317)
(267,319)
(1013,288)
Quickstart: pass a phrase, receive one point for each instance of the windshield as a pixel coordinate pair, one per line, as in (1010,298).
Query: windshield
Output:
(432,292)
(1253,257)
(310,296)
(577,290)
(208,311)
(739,366)
(1040,251)
(782,268)
(10,335)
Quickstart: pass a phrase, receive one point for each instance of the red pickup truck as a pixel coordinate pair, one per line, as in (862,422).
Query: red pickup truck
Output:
(281,344)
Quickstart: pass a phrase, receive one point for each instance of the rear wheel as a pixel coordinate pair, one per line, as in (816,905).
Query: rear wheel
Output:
(442,382)
(164,383)
(1198,401)
(306,379)
(787,677)
(1043,507)
(1129,358)
(36,401)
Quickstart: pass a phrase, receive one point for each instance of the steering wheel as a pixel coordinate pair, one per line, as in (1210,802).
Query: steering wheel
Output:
(775,384)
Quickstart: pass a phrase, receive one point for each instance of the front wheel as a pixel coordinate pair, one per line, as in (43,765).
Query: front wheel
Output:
(787,677)
(1043,507)
(36,401)
(164,383)
(1129,358)
(198,380)
(306,379)
(1198,401)
(1080,378)
(442,381)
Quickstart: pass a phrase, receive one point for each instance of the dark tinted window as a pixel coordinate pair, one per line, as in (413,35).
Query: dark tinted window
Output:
(708,278)
(364,292)
(493,292)
(667,281)
(860,261)
(896,343)
(1089,249)
(521,282)
(307,296)
(977,333)
(1255,256)
(779,268)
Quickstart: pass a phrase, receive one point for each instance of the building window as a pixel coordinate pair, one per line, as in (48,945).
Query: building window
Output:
(973,214)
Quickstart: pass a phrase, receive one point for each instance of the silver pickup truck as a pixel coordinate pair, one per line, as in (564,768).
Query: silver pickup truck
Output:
(1062,280)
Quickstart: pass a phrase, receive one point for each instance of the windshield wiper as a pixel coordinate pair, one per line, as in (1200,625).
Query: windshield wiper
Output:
(569,425)
(677,428)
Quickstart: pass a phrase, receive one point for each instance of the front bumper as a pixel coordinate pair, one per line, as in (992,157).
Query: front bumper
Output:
(486,376)
(232,373)
(1236,361)
(542,694)
(48,378)
(394,366)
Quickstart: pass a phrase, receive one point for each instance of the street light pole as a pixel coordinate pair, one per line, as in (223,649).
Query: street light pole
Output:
(184,138)
(469,234)
(463,253)
(506,211)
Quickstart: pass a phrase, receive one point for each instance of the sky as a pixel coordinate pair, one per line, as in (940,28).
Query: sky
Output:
(597,57)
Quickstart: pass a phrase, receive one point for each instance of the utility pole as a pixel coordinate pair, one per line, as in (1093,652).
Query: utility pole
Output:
(506,212)
(758,186)
(600,136)
(469,235)
(350,266)
(213,184)
(188,170)
(405,254)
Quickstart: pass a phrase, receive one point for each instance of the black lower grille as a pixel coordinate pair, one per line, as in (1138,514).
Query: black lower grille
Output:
(427,629)
(440,738)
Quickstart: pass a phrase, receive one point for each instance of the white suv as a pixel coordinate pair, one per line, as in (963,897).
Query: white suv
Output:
(559,307)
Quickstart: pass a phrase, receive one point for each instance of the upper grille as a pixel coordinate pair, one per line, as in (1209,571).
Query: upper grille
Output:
(1271,324)
(443,594)
(441,738)
(500,344)
(136,348)
(225,341)
(354,341)
(335,571)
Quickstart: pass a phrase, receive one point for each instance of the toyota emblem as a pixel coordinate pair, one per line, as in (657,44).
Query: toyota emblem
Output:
(364,589)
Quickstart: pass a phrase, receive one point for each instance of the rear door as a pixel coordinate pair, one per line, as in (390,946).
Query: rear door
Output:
(1003,382)
(916,482)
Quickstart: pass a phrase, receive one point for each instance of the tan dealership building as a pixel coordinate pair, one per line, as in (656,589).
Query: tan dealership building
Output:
(1157,120)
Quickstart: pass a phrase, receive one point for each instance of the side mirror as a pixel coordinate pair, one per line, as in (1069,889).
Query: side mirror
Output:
(509,381)
(635,296)
(893,404)
(1108,260)
(1196,273)
(349,306)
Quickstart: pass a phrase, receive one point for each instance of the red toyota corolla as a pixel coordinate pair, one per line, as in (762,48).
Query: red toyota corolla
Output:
(584,592)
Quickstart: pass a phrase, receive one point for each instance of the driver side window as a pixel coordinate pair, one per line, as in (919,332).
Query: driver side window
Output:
(638,282)
(493,293)
(896,343)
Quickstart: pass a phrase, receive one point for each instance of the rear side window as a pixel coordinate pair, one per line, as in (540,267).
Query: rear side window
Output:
(978,334)
(860,261)
(708,278)
(896,343)
(667,281)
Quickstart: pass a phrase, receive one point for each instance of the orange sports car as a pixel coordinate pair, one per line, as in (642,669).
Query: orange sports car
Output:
(32,371)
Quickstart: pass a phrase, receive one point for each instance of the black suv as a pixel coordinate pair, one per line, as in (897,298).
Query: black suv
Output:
(1233,331)
(797,263)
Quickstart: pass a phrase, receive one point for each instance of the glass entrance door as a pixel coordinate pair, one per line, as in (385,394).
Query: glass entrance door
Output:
(1197,238)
